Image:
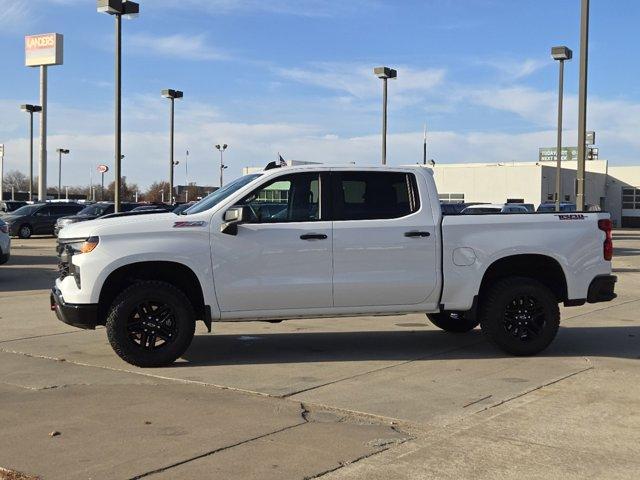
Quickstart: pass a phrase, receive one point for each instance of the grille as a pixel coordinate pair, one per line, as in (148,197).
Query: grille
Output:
(64,259)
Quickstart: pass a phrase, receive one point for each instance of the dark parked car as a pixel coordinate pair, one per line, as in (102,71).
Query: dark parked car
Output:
(91,212)
(10,206)
(551,207)
(39,218)
(182,207)
(154,206)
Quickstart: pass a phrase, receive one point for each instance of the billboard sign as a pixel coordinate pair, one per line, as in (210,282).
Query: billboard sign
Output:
(103,169)
(549,154)
(43,49)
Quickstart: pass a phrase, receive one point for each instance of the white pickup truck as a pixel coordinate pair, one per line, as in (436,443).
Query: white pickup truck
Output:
(322,241)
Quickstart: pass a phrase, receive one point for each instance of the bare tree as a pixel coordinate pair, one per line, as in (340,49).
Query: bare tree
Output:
(17,180)
(155,190)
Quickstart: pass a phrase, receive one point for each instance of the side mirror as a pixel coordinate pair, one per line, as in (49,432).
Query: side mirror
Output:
(232,218)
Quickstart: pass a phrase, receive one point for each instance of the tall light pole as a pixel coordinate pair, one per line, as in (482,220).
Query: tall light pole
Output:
(31,109)
(60,152)
(221,149)
(561,54)
(129,9)
(171,95)
(384,73)
(582,105)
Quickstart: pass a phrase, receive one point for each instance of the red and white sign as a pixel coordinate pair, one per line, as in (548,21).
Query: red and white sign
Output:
(103,169)
(44,49)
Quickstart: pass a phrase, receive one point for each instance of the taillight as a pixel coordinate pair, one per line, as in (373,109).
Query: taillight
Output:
(607,247)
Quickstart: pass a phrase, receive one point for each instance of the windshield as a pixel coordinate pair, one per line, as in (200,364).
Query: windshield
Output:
(219,195)
(26,210)
(94,210)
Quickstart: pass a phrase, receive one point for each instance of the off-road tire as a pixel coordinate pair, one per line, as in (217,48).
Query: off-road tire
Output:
(520,315)
(454,322)
(121,317)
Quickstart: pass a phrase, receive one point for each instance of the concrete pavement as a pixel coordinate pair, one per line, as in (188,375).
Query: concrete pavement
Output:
(371,397)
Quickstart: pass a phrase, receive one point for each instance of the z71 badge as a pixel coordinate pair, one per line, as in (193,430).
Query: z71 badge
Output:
(188,224)
(571,216)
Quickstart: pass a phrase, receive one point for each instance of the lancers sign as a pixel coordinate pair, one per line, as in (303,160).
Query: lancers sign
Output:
(44,49)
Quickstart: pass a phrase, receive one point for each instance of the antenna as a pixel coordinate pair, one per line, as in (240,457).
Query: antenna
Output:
(424,145)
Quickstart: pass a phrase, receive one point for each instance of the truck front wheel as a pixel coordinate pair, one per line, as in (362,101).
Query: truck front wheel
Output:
(454,322)
(150,324)
(520,315)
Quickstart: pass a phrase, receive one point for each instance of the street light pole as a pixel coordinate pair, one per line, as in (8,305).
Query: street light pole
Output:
(384,73)
(561,54)
(582,105)
(118,8)
(171,95)
(31,109)
(60,151)
(221,149)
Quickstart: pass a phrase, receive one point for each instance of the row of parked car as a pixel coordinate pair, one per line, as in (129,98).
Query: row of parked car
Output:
(49,218)
(484,208)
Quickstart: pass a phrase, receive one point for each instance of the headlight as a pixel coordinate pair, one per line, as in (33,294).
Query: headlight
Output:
(80,245)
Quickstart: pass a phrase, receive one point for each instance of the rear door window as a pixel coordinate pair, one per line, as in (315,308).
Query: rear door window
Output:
(373,195)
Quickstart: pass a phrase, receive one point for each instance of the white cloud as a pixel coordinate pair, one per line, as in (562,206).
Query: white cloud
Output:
(192,47)
(359,81)
(15,15)
(516,69)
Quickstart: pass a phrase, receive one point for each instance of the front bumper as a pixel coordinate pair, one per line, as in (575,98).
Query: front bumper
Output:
(602,289)
(77,315)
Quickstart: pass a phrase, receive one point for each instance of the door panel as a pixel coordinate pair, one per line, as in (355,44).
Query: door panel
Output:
(281,258)
(379,260)
(269,267)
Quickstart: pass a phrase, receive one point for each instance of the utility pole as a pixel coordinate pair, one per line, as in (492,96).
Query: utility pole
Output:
(582,106)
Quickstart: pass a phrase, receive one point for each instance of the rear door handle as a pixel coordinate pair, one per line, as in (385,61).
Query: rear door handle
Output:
(313,236)
(415,233)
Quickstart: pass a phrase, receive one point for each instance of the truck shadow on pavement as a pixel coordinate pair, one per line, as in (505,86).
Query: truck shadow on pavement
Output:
(276,348)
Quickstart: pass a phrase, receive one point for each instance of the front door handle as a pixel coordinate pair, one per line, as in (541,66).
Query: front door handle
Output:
(415,233)
(313,236)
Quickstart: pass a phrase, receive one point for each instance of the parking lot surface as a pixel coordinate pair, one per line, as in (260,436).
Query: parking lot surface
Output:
(369,397)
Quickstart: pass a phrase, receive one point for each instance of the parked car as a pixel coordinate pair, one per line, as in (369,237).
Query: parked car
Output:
(182,207)
(39,218)
(551,207)
(153,206)
(9,206)
(494,208)
(529,206)
(5,243)
(347,241)
(91,212)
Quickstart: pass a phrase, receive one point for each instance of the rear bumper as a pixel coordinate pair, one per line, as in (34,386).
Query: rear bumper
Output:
(602,289)
(81,316)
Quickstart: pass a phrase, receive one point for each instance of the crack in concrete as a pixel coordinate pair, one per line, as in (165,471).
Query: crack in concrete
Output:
(40,336)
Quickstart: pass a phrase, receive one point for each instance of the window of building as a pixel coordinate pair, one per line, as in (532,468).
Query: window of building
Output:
(451,197)
(631,198)
(373,195)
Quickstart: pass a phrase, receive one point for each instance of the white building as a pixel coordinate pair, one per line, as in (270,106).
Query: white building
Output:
(615,189)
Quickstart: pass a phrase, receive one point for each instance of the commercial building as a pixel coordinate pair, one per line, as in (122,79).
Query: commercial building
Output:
(614,189)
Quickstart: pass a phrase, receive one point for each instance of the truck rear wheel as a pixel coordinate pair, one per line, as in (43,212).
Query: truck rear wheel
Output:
(520,315)
(150,324)
(454,322)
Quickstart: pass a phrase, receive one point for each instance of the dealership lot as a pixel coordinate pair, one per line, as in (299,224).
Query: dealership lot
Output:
(369,397)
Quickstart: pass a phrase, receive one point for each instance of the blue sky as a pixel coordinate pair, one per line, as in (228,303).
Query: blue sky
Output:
(295,76)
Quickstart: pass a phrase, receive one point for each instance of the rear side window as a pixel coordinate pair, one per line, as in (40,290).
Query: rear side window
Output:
(373,195)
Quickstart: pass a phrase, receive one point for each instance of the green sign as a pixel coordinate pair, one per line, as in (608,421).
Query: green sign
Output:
(549,154)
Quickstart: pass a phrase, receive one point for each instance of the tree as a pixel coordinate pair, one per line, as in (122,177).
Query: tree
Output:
(155,192)
(127,191)
(17,180)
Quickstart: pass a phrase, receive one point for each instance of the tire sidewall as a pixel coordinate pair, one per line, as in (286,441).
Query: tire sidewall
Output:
(122,309)
(492,316)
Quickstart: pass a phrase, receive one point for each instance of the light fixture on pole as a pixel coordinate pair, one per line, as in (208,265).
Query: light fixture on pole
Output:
(171,95)
(60,152)
(384,73)
(582,105)
(561,54)
(128,9)
(31,109)
(221,149)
